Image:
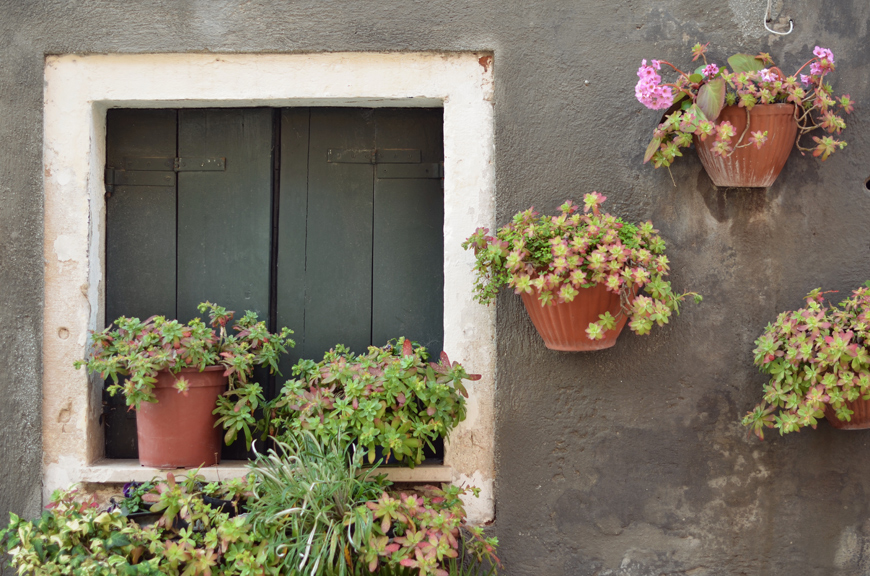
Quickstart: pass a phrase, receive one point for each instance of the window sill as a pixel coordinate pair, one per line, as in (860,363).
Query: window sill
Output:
(123,471)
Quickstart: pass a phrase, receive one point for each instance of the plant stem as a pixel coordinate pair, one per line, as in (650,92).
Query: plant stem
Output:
(736,146)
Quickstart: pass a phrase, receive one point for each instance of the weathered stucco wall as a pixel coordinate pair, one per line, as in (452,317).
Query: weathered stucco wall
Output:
(623,462)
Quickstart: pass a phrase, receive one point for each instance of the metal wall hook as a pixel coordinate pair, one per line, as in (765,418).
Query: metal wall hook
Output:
(767,19)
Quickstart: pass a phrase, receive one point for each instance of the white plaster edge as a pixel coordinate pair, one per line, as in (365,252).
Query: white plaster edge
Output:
(478,510)
(79,89)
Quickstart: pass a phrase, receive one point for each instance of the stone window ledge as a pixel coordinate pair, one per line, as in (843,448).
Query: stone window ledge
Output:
(123,471)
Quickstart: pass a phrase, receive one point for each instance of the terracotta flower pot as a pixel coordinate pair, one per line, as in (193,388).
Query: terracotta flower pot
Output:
(178,431)
(860,419)
(751,167)
(563,326)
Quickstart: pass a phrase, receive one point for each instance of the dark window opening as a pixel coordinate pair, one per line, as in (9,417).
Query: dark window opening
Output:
(326,220)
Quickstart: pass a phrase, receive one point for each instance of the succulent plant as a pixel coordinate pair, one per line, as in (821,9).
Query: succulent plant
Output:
(816,356)
(555,256)
(389,397)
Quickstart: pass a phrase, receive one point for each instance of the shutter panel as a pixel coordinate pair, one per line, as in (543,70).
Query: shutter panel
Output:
(140,243)
(361,230)
(292,216)
(225,216)
(408,251)
(338,298)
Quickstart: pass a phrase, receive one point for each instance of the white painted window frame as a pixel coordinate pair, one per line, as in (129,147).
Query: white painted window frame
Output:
(78,91)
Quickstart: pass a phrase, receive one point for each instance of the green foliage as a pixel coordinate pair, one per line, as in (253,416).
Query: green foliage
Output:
(239,415)
(138,350)
(133,502)
(752,80)
(388,397)
(76,538)
(312,510)
(745,63)
(711,98)
(426,532)
(131,352)
(554,257)
(815,356)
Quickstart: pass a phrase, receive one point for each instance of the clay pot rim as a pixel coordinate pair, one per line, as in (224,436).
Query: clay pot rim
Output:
(210,380)
(555,302)
(776,109)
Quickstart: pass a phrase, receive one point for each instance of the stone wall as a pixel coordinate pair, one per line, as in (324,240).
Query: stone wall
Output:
(624,462)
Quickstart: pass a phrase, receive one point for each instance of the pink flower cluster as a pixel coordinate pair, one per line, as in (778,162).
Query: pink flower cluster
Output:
(649,90)
(767,75)
(824,54)
(710,70)
(826,63)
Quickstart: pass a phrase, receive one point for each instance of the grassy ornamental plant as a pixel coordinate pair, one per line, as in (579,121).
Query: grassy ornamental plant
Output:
(309,498)
(130,352)
(556,256)
(816,356)
(389,397)
(695,99)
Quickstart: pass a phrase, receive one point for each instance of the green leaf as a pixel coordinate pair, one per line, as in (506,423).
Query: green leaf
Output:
(696,110)
(117,540)
(711,98)
(651,149)
(700,69)
(745,63)
(696,78)
(678,97)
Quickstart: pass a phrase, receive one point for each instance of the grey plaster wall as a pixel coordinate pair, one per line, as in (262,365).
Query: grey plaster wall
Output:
(623,462)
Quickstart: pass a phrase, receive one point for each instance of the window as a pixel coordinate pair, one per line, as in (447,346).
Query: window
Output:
(78,92)
(326,220)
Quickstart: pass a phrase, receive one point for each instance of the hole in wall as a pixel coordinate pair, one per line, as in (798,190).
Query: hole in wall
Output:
(867,183)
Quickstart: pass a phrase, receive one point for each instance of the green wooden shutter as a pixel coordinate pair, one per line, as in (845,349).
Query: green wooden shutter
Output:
(369,265)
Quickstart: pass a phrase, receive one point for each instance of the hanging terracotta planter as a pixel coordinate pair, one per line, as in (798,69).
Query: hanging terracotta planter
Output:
(563,326)
(751,167)
(179,430)
(860,419)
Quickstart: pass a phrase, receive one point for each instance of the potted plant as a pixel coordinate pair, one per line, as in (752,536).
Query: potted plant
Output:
(742,121)
(389,398)
(580,275)
(181,378)
(818,361)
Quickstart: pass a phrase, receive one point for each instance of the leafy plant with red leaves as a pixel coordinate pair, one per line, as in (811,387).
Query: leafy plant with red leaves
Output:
(426,531)
(389,397)
(191,538)
(816,356)
(695,99)
(555,256)
(130,352)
